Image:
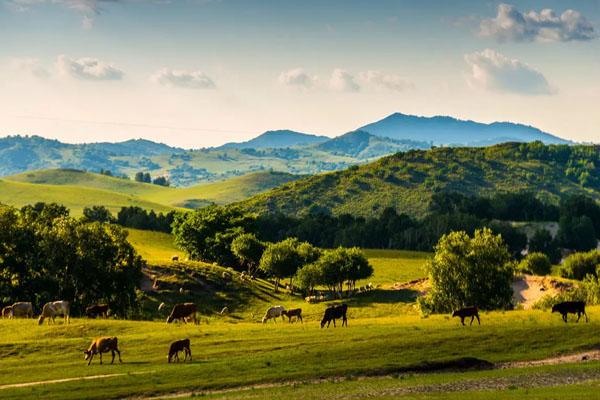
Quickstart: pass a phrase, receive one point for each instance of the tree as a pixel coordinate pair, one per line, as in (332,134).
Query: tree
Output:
(343,265)
(469,271)
(143,177)
(579,265)
(281,260)
(248,250)
(308,277)
(536,263)
(577,233)
(543,242)
(161,181)
(97,214)
(207,234)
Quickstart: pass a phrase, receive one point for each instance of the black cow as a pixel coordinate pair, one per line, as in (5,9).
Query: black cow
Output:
(183,311)
(176,347)
(466,312)
(570,307)
(334,312)
(97,310)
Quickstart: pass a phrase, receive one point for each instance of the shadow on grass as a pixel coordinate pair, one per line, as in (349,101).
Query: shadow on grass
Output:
(379,296)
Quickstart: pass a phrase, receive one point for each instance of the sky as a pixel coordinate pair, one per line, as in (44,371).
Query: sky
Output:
(199,73)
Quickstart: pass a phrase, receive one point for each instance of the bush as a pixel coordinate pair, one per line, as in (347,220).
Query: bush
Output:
(536,263)
(469,271)
(579,265)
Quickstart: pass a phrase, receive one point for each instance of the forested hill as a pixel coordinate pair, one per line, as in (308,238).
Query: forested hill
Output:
(407,181)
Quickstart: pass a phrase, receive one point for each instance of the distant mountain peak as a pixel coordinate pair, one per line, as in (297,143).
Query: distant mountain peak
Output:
(446,130)
(277,139)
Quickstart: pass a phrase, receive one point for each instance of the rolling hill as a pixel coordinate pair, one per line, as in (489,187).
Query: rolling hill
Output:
(78,189)
(442,130)
(406,181)
(363,145)
(277,140)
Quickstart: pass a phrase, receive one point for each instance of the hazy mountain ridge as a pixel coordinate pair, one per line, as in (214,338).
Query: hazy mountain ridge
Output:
(277,139)
(444,130)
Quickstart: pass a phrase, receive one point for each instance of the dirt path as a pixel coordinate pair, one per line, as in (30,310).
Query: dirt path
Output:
(525,381)
(74,379)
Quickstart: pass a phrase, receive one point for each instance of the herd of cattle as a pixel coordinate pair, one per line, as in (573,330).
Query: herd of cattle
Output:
(186,312)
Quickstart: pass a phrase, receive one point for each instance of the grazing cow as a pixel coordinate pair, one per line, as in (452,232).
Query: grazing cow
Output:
(175,258)
(463,313)
(103,345)
(181,312)
(176,347)
(570,307)
(7,312)
(55,308)
(295,312)
(21,309)
(334,312)
(274,313)
(97,310)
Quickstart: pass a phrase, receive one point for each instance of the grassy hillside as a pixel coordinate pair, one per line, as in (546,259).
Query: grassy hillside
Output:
(73,197)
(61,186)
(407,181)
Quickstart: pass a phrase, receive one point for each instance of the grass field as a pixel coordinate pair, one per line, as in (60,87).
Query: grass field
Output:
(230,354)
(78,189)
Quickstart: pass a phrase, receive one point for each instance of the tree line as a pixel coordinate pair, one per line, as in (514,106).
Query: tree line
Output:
(48,255)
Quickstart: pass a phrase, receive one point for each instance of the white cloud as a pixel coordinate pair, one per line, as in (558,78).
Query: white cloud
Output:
(87,69)
(512,25)
(491,70)
(296,77)
(87,8)
(30,66)
(381,80)
(183,79)
(342,81)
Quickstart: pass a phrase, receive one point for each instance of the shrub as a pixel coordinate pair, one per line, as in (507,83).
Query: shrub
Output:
(536,263)
(467,271)
(578,265)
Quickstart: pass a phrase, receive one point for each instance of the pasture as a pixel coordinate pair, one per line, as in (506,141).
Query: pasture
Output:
(229,355)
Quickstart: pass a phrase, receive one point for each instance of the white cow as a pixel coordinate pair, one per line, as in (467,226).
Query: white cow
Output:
(273,313)
(21,309)
(54,308)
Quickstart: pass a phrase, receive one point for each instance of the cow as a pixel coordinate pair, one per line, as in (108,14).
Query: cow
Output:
(570,307)
(103,345)
(97,310)
(295,312)
(176,347)
(175,258)
(334,312)
(181,312)
(54,308)
(7,312)
(21,309)
(274,313)
(466,312)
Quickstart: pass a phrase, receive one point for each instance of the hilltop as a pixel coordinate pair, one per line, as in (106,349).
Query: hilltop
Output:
(443,130)
(406,181)
(78,189)
(276,140)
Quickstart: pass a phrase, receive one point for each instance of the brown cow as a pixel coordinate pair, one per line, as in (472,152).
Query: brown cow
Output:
(103,345)
(183,311)
(463,313)
(176,347)
(294,312)
(97,310)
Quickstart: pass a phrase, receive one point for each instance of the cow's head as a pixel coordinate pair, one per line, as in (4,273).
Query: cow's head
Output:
(454,313)
(323,322)
(170,319)
(87,354)
(41,320)
(554,308)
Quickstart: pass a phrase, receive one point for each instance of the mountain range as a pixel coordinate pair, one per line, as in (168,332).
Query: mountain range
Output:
(282,150)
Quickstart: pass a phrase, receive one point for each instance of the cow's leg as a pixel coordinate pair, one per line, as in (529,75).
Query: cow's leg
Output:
(578,316)
(91,357)
(190,353)
(345,321)
(462,320)
(472,318)
(119,353)
(586,316)
(334,323)
(564,317)
(478,320)
(112,361)
(300,318)
(100,358)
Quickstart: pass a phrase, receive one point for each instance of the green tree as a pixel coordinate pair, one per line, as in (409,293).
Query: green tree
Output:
(207,234)
(248,250)
(343,265)
(536,263)
(308,277)
(543,242)
(161,181)
(469,271)
(579,265)
(577,233)
(281,260)
(97,214)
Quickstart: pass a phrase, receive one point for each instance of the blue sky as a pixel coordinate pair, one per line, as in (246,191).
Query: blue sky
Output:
(199,72)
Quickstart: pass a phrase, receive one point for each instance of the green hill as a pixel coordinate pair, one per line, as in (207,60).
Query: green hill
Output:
(78,189)
(407,181)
